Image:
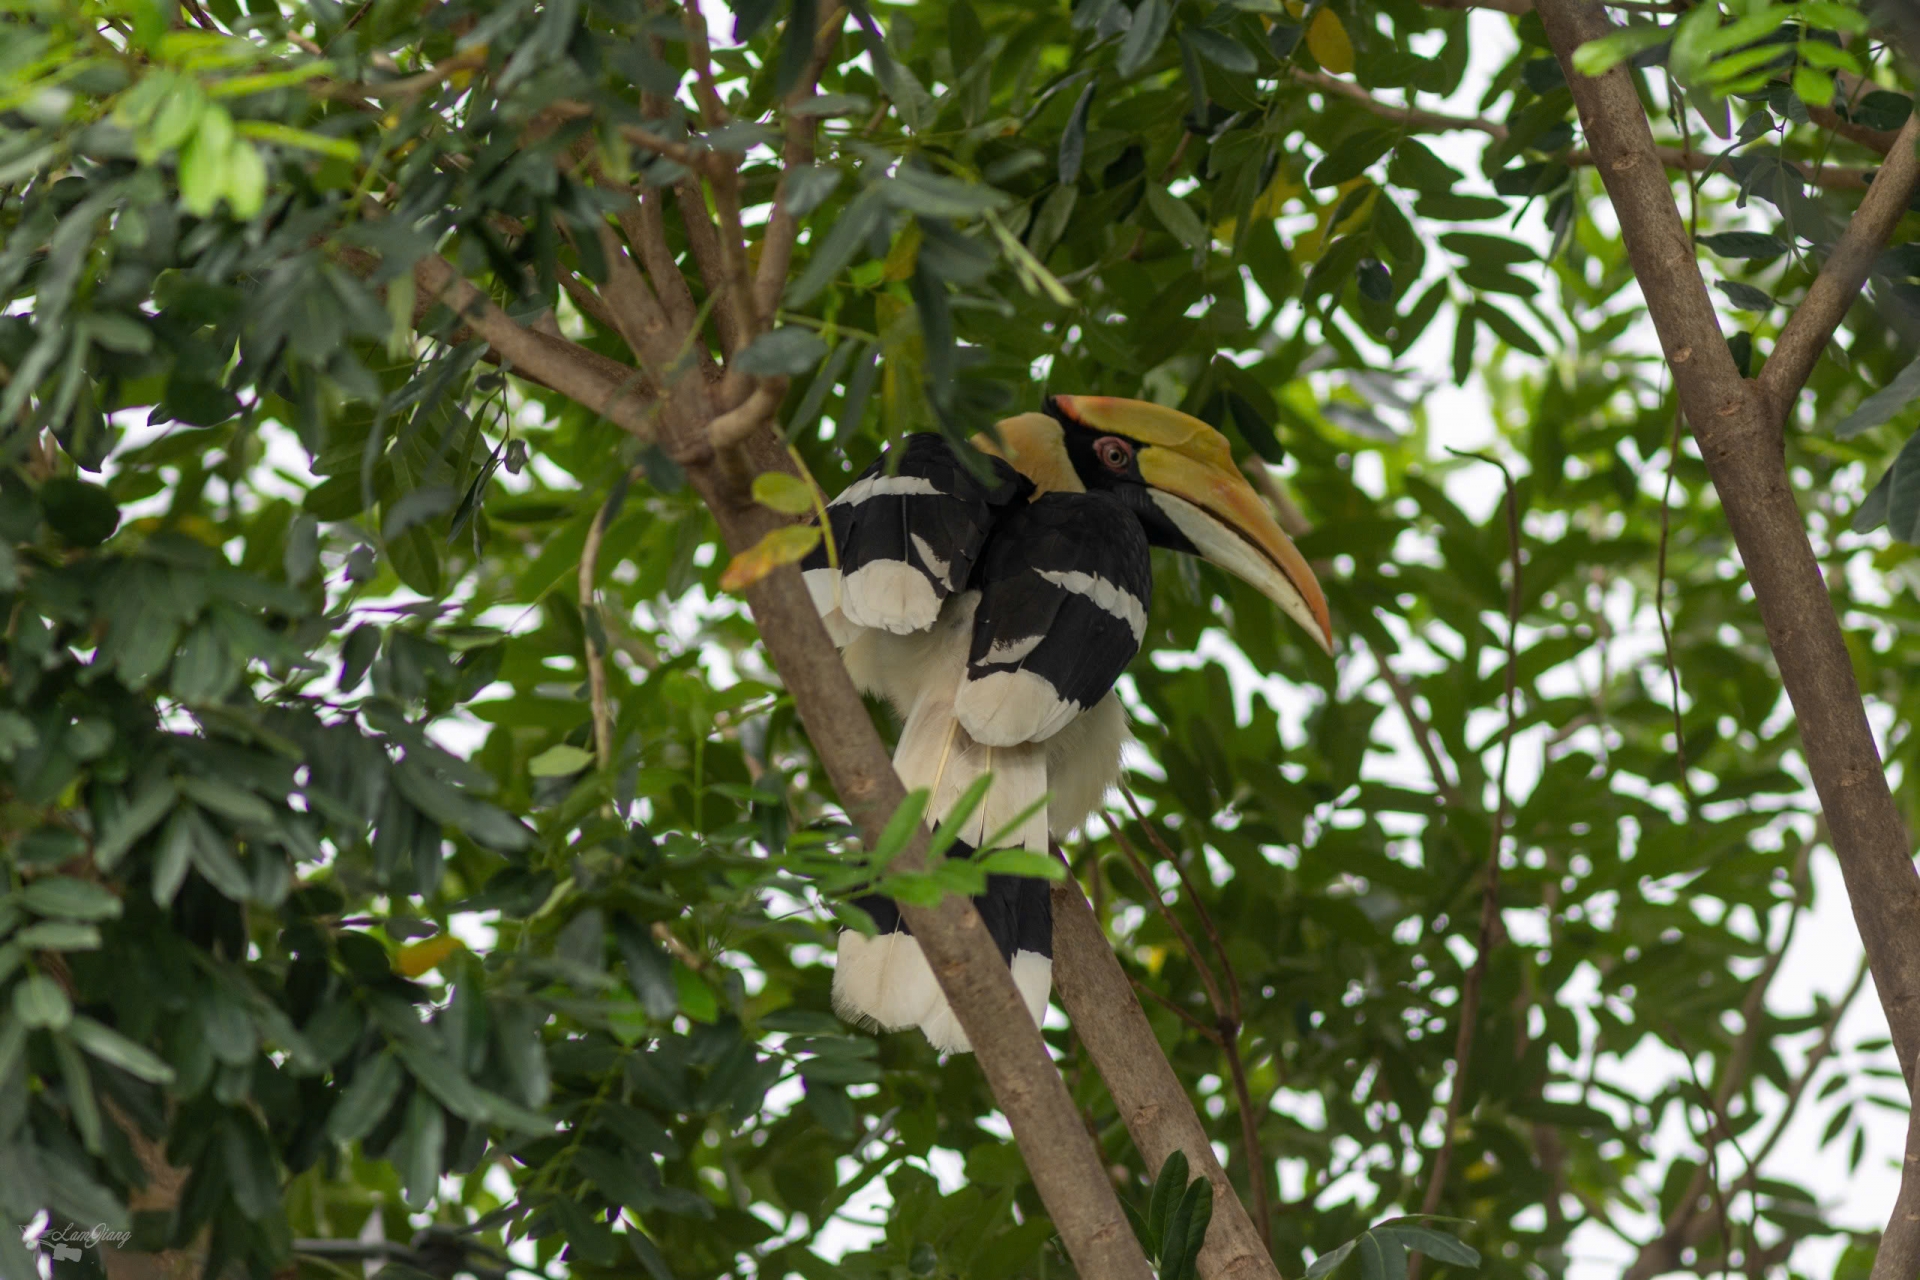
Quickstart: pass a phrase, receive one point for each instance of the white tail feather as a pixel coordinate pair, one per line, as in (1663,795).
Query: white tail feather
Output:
(883,980)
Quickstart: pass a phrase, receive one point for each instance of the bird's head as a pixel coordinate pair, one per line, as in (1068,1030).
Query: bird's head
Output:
(1177,475)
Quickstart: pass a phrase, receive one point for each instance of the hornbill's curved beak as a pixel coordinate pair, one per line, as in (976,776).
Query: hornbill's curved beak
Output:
(1190,474)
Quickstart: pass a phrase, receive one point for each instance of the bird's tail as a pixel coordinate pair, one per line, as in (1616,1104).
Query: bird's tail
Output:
(885,980)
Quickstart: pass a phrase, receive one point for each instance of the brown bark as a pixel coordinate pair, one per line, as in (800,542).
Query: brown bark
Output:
(1738,427)
(1899,1255)
(1812,323)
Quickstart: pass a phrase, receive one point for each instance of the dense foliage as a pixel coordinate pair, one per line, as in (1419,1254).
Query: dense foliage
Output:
(319,891)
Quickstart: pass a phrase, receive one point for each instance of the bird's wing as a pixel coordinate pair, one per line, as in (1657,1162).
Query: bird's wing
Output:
(908,532)
(1065,584)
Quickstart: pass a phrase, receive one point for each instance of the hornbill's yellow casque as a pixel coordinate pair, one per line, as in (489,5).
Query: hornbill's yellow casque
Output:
(995,615)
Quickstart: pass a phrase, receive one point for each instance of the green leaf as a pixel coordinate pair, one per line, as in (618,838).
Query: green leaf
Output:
(60,935)
(1872,512)
(1745,297)
(950,826)
(1815,88)
(1833,16)
(84,514)
(898,832)
(1168,1187)
(1022,862)
(1143,38)
(39,1002)
(1882,404)
(236,804)
(116,1050)
(1222,51)
(1690,49)
(1356,153)
(70,899)
(1437,1245)
(791,350)
(1073,138)
(809,186)
(1508,328)
(367,1098)
(1177,216)
(847,236)
(560,761)
(1186,1230)
(1746,244)
(1903,493)
(787,494)
(933,196)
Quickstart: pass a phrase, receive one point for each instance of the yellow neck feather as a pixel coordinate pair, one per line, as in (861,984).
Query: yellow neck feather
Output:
(1037,448)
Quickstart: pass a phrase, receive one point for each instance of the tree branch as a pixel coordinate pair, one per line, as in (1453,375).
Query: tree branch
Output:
(1411,117)
(776,242)
(1812,324)
(1739,433)
(642,321)
(703,241)
(644,224)
(555,363)
(753,413)
(1899,1255)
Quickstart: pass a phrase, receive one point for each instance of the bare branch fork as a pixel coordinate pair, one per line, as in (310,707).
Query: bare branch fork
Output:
(1739,425)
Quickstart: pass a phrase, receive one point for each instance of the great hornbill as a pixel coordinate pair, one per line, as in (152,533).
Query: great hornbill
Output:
(995,614)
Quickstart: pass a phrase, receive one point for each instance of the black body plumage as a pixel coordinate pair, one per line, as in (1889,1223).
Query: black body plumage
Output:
(1057,585)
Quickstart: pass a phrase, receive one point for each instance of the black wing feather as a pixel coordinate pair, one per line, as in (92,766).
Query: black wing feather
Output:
(951,516)
(1053,575)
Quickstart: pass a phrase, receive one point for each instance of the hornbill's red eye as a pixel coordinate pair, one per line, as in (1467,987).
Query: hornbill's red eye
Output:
(1114,453)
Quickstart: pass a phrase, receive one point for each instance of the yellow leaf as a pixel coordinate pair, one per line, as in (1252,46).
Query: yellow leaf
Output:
(1327,42)
(417,958)
(789,495)
(784,545)
(904,254)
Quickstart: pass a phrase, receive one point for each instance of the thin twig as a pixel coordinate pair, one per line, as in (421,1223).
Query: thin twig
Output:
(776,242)
(1215,997)
(1230,1015)
(1716,1131)
(1425,736)
(591,620)
(1411,117)
(755,412)
(678,152)
(1660,606)
(1184,1015)
(1490,890)
(700,55)
(1683,1225)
